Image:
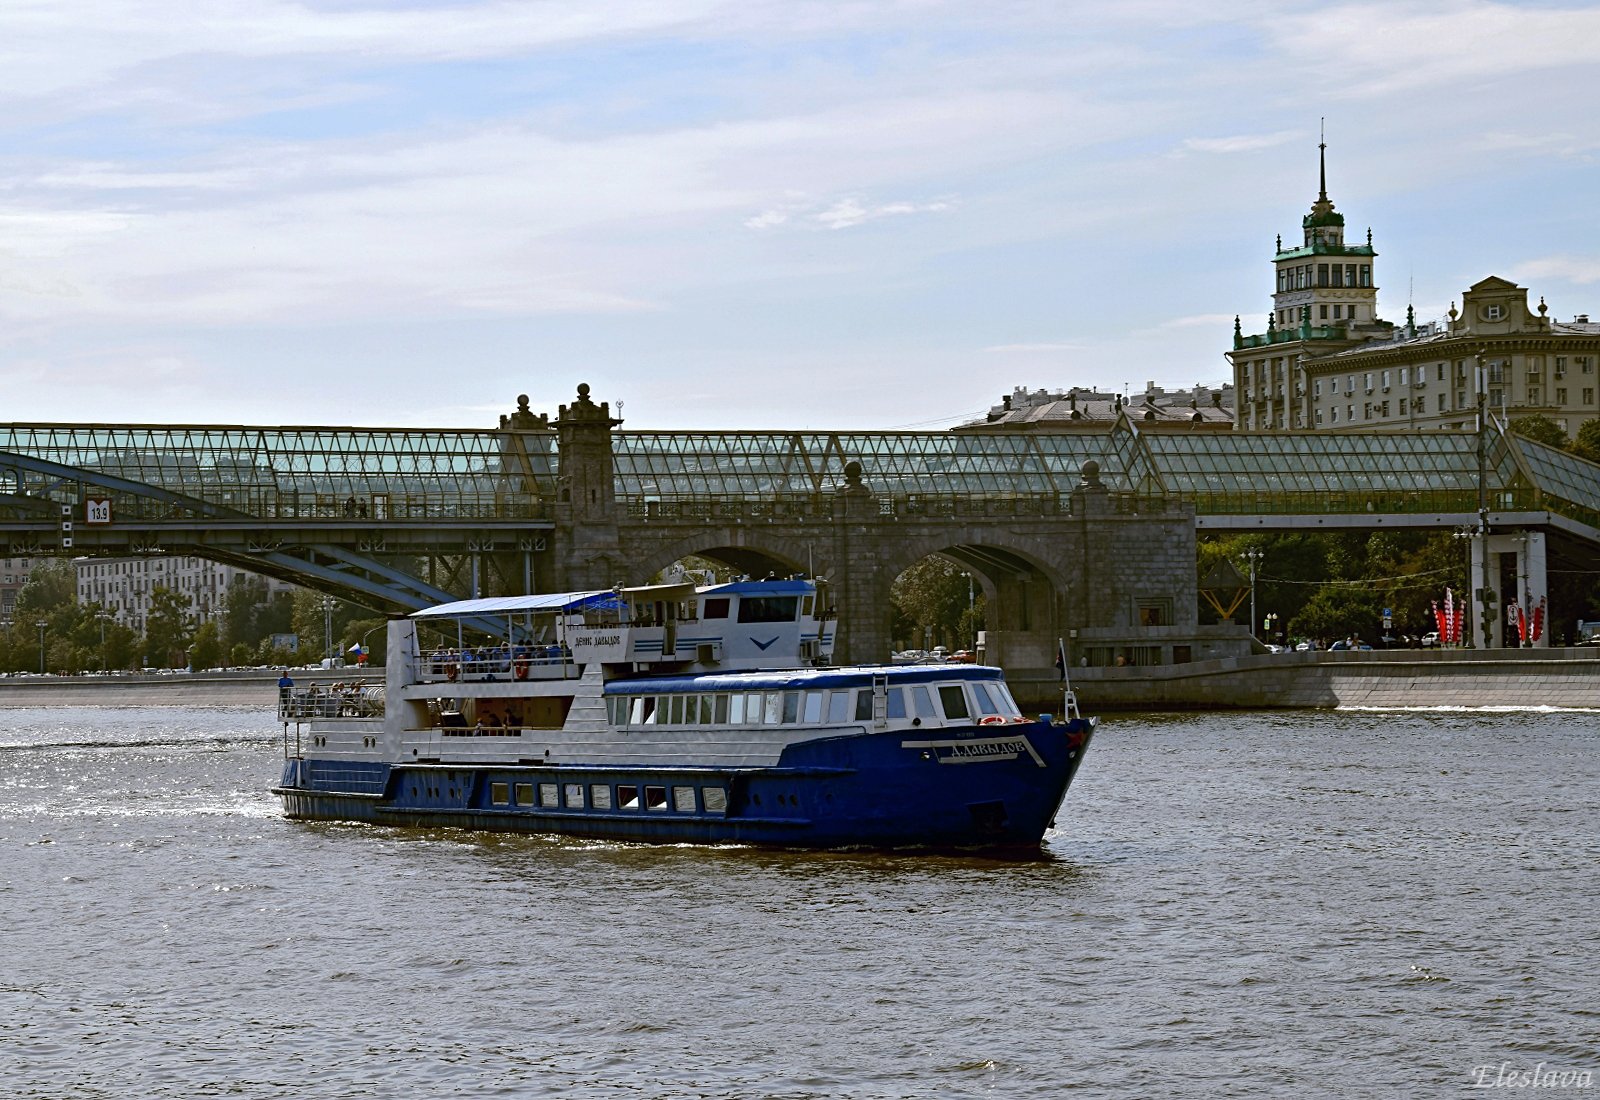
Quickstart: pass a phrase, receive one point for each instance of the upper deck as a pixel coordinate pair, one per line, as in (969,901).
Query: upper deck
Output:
(674,627)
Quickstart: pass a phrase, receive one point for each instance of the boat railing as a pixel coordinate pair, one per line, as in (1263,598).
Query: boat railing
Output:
(352,700)
(537,662)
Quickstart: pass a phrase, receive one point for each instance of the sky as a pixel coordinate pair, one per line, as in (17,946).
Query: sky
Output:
(755,214)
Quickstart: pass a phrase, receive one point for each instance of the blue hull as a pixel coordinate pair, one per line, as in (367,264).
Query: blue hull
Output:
(975,788)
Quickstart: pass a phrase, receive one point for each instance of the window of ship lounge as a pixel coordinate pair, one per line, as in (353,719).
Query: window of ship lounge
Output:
(767,609)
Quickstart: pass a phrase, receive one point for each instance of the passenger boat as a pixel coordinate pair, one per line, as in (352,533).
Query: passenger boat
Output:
(674,713)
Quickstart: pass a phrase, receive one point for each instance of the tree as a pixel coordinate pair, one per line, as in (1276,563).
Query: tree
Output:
(205,650)
(932,598)
(241,605)
(1586,445)
(51,586)
(1540,429)
(167,630)
(1338,611)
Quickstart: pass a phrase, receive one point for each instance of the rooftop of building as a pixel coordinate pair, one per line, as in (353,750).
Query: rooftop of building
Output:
(1203,406)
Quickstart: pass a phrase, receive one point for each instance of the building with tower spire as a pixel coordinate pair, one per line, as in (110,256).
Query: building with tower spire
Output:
(1326,301)
(1327,362)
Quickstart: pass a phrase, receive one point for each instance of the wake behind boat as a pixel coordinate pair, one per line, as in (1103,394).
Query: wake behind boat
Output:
(675,713)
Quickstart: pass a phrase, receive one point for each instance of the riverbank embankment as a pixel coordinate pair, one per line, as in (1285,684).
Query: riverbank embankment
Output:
(1393,678)
(1568,677)
(252,688)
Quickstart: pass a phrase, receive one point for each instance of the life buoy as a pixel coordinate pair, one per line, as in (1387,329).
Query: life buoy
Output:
(1018,718)
(991,720)
(519,668)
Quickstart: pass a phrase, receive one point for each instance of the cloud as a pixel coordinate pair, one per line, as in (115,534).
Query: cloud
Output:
(1380,49)
(1573,269)
(1241,143)
(1200,320)
(1036,347)
(849,212)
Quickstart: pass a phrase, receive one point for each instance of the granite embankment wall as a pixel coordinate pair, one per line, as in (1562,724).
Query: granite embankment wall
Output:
(1403,678)
(255,689)
(1397,678)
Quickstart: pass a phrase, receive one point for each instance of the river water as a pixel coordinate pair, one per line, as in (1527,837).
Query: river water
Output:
(1296,904)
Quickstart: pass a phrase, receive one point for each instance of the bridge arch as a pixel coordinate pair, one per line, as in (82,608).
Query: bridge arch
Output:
(735,547)
(1025,591)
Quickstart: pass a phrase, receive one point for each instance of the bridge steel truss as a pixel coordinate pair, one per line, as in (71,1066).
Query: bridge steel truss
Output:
(404,517)
(387,518)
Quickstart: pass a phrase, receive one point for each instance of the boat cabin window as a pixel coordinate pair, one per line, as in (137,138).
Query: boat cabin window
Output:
(986,705)
(922,702)
(864,705)
(791,707)
(716,607)
(628,798)
(813,708)
(524,794)
(806,603)
(897,703)
(574,795)
(600,796)
(838,706)
(767,609)
(720,711)
(736,708)
(772,708)
(955,702)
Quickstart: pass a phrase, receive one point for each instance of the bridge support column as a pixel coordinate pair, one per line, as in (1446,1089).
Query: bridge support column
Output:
(1485,620)
(1527,549)
(1537,587)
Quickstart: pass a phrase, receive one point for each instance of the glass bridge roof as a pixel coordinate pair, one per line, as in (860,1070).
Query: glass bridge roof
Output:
(513,473)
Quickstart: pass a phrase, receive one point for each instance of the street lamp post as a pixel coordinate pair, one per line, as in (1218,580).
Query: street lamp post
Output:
(1466,532)
(103,615)
(41,624)
(327,628)
(1253,556)
(1485,593)
(972,639)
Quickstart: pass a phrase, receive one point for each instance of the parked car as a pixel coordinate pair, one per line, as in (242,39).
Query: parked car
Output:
(1430,639)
